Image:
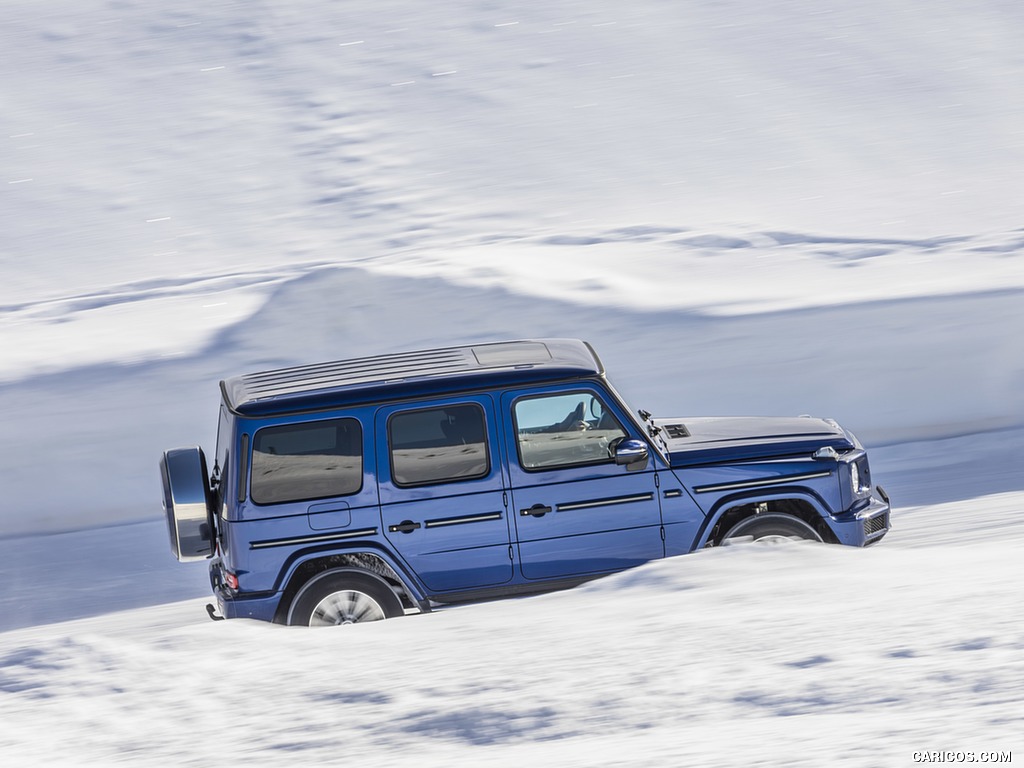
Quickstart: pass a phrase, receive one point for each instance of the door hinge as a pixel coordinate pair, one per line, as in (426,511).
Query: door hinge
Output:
(657,480)
(663,533)
(504,499)
(510,556)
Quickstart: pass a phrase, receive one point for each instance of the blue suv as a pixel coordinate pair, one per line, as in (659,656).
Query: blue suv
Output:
(361,489)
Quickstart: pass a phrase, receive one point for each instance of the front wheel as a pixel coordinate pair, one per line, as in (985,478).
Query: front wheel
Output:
(771,528)
(343,597)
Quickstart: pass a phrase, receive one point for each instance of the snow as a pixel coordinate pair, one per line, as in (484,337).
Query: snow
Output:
(793,654)
(789,208)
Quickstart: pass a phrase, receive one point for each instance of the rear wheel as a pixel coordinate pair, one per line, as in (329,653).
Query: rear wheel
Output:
(772,527)
(343,597)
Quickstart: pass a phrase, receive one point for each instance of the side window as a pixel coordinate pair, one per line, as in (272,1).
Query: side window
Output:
(222,459)
(565,430)
(438,445)
(312,460)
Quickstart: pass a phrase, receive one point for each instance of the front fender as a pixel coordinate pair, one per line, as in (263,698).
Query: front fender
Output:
(723,506)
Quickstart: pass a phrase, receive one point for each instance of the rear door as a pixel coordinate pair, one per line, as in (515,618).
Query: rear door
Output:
(442,491)
(576,512)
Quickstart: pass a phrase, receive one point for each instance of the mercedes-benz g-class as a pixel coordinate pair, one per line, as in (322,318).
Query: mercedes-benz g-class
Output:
(362,489)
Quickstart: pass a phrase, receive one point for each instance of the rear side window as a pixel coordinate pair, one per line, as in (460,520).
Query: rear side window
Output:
(314,460)
(438,445)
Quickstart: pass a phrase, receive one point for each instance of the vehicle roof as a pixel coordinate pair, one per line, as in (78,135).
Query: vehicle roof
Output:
(409,374)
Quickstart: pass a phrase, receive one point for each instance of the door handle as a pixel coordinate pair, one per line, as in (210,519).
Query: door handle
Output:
(406,526)
(537,510)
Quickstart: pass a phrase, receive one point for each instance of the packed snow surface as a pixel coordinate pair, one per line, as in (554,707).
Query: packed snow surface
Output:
(748,209)
(793,654)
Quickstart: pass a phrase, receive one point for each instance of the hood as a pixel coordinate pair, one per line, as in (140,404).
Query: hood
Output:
(706,440)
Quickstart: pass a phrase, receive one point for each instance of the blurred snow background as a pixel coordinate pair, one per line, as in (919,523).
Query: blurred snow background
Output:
(781,208)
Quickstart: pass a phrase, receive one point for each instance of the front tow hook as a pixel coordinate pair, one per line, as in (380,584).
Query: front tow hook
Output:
(884,496)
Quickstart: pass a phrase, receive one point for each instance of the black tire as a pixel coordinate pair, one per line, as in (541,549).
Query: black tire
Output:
(343,597)
(772,526)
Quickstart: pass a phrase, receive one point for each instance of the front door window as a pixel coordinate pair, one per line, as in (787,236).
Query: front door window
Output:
(565,430)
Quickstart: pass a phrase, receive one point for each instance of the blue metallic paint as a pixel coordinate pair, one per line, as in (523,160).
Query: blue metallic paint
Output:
(474,534)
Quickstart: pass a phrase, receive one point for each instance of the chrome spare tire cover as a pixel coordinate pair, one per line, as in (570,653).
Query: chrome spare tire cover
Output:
(186,503)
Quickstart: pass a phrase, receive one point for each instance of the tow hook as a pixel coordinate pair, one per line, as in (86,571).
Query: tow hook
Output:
(212,613)
(883,494)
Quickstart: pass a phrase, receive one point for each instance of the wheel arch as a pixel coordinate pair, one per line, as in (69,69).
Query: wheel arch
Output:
(730,511)
(305,567)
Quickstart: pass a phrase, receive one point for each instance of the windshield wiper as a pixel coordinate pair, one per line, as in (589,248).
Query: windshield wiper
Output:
(653,429)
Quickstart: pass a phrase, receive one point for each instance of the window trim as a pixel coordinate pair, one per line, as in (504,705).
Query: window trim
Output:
(488,466)
(246,453)
(243,470)
(602,396)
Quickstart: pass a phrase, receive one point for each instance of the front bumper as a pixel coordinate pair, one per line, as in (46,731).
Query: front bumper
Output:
(867,525)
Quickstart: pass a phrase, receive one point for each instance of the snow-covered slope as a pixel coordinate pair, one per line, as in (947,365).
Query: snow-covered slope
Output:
(774,208)
(217,136)
(797,655)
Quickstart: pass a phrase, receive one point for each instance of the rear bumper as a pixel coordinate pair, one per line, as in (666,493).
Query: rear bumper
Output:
(242,607)
(232,605)
(867,525)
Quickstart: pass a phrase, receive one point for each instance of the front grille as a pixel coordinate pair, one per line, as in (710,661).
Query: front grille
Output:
(875,524)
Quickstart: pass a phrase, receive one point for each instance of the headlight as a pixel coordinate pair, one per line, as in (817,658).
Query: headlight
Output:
(860,477)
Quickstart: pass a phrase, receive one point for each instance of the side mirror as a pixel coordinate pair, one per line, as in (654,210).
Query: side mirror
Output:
(632,454)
